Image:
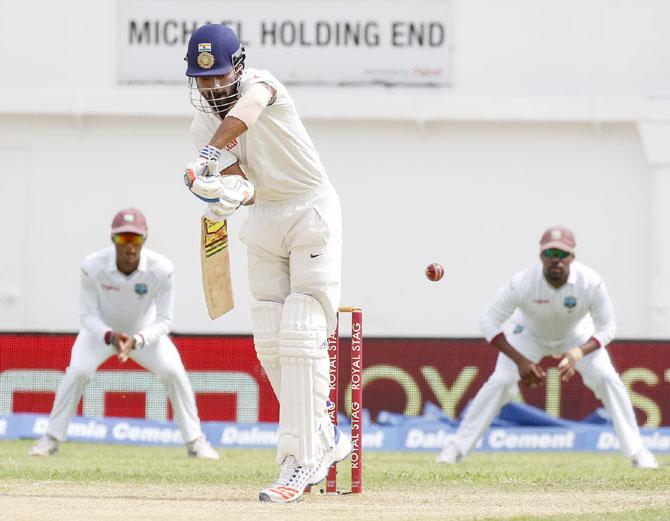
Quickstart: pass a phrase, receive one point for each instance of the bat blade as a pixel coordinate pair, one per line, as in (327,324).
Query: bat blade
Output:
(215,262)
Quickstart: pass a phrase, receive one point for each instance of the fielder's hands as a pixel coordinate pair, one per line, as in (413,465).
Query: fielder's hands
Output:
(566,367)
(123,345)
(532,375)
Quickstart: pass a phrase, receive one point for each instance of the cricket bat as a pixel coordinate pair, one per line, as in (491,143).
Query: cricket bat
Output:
(215,262)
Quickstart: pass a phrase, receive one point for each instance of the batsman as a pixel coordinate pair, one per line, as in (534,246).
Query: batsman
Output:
(254,150)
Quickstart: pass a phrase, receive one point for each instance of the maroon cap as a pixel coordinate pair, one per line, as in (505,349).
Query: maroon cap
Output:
(129,220)
(558,237)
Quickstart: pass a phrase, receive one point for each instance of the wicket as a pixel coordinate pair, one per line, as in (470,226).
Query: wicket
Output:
(356,397)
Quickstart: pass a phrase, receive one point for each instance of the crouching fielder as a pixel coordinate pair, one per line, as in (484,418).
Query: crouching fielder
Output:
(558,307)
(127,296)
(253,148)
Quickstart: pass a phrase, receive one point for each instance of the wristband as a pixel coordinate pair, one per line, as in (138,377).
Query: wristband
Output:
(576,353)
(221,158)
(209,153)
(139,341)
(108,337)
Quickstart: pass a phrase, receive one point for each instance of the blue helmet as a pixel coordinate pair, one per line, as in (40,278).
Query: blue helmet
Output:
(213,50)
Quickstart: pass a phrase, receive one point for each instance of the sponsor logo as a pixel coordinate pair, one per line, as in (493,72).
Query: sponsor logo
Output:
(109,287)
(502,439)
(231,145)
(239,436)
(237,383)
(146,434)
(78,429)
(420,439)
(141,289)
(570,302)
(315,255)
(517,329)
(541,301)
(374,440)
(653,440)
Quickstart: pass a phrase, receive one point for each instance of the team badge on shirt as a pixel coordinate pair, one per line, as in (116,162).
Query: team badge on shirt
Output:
(570,302)
(141,288)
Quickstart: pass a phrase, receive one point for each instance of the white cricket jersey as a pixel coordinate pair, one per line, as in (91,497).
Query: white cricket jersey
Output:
(276,153)
(553,315)
(141,302)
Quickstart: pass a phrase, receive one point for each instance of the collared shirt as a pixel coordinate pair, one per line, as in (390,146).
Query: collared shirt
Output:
(141,302)
(553,315)
(276,153)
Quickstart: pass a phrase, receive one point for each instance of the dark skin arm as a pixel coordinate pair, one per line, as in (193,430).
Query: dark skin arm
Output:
(230,128)
(531,373)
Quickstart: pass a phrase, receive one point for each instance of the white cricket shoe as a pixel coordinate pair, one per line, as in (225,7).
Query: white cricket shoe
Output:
(201,448)
(644,459)
(339,452)
(290,485)
(45,446)
(450,454)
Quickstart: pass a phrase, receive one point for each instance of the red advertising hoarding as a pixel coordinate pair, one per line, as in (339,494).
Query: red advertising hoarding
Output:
(400,375)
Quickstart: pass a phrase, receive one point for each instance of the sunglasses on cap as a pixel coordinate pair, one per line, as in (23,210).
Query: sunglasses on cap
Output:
(555,253)
(128,238)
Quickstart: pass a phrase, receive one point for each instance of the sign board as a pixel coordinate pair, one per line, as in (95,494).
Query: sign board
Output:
(310,42)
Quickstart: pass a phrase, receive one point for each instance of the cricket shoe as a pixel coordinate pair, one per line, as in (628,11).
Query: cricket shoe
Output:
(201,448)
(290,485)
(644,459)
(450,454)
(341,449)
(45,446)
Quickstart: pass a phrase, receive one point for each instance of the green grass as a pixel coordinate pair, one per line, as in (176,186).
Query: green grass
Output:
(412,476)
(88,463)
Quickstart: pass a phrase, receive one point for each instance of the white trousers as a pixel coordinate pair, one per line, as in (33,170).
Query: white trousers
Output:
(161,358)
(596,370)
(296,247)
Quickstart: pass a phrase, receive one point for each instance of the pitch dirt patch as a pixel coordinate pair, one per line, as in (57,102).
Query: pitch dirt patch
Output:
(65,501)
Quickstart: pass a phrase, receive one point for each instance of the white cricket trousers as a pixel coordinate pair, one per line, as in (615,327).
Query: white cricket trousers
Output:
(294,251)
(161,358)
(596,370)
(295,246)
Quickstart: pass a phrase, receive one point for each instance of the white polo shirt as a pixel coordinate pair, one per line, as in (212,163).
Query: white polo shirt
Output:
(141,302)
(276,153)
(581,306)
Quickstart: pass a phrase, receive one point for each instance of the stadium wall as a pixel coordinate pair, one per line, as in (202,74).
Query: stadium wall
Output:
(544,123)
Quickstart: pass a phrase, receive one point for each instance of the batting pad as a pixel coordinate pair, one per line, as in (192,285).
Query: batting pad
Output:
(265,320)
(303,354)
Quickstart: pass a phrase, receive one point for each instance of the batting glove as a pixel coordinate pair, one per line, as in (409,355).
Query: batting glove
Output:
(217,212)
(210,162)
(232,192)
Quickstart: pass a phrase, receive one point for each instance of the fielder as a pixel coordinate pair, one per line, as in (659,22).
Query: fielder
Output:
(248,125)
(558,307)
(127,296)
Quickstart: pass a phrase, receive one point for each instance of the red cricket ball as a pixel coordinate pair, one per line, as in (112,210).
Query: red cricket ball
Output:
(434,271)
